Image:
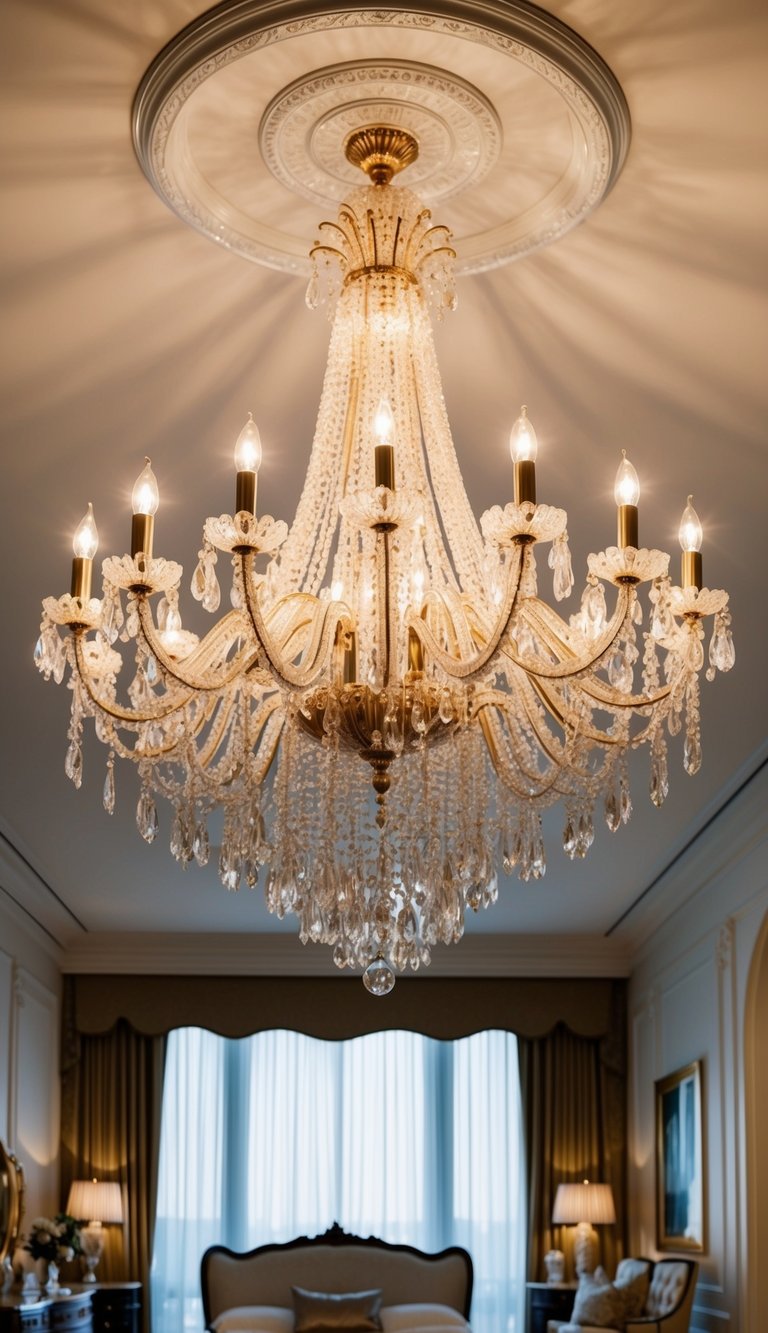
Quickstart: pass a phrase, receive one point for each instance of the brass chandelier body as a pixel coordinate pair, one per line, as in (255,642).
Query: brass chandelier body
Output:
(388,706)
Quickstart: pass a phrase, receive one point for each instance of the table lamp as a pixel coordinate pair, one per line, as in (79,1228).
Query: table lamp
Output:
(98,1201)
(584,1206)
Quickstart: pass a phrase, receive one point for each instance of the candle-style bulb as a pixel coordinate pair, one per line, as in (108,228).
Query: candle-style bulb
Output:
(691,535)
(626,489)
(523,445)
(145,496)
(248,447)
(85,542)
(384,423)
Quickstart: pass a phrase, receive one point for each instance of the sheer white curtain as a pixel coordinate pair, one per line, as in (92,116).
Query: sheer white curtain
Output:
(393,1134)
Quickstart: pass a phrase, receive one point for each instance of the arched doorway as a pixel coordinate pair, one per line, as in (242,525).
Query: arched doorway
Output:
(756,1115)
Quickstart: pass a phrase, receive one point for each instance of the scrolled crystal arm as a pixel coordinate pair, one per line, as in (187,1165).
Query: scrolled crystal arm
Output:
(167,706)
(329,618)
(468,670)
(231,626)
(570,665)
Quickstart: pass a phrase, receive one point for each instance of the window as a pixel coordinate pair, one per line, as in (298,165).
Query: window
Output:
(393,1134)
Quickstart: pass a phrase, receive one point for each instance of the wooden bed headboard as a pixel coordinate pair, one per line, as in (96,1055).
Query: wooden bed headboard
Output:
(338,1262)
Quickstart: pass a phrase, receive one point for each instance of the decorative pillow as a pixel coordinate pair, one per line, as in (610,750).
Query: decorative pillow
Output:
(318,1311)
(400,1318)
(254,1319)
(598,1302)
(633,1277)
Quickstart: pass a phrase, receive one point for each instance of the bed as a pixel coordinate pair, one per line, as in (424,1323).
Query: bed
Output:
(254,1292)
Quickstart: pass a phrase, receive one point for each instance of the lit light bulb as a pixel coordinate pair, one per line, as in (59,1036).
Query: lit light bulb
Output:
(248,447)
(145,496)
(85,542)
(384,423)
(523,447)
(523,444)
(337,590)
(626,489)
(691,535)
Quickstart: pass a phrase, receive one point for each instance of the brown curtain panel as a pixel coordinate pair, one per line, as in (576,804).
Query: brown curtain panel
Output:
(112,1087)
(574,1115)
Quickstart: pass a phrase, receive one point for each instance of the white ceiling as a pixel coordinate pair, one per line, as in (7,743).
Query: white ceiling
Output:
(127,333)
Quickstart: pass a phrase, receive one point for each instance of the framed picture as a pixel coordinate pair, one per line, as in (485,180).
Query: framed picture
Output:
(680,1161)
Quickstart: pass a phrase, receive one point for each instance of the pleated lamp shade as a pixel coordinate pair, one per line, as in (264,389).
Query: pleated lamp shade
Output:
(583,1202)
(95,1201)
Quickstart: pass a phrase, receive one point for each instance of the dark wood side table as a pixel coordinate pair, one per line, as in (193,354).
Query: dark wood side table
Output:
(71,1313)
(19,1314)
(117,1307)
(548,1300)
(58,1313)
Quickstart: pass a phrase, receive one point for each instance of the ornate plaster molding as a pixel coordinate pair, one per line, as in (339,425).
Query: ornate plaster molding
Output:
(519,32)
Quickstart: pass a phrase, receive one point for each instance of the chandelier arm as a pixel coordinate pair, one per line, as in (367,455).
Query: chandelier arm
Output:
(271,723)
(334,617)
(328,250)
(605,695)
(458,669)
(237,666)
(256,731)
(420,217)
(499,701)
(598,737)
(115,710)
(438,250)
(565,670)
(347,215)
(489,724)
(148,752)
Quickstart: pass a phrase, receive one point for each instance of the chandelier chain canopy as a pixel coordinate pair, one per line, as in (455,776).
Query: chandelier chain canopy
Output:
(386,711)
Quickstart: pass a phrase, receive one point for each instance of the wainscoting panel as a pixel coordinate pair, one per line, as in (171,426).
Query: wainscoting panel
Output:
(35,1088)
(686,1000)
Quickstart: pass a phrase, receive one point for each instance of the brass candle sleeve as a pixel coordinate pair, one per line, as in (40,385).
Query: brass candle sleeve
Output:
(245,493)
(525,482)
(142,532)
(691,576)
(627,526)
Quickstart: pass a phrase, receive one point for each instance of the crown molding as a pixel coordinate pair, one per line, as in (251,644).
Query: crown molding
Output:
(283,955)
(30,903)
(734,830)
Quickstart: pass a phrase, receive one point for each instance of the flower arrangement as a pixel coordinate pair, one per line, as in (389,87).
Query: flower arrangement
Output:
(58,1241)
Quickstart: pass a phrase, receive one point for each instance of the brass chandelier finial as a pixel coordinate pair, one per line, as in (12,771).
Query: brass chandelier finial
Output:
(381,151)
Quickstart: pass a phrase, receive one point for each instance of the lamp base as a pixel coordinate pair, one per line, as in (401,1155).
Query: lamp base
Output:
(92,1241)
(585,1249)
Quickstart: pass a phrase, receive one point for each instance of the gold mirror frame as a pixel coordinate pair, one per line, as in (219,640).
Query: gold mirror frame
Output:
(11,1201)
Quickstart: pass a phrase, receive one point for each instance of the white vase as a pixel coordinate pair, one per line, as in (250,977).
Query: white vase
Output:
(52,1278)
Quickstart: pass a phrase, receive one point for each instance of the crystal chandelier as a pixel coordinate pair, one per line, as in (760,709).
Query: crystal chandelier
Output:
(388,706)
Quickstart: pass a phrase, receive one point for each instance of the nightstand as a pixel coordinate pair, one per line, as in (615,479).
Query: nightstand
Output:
(549,1300)
(117,1307)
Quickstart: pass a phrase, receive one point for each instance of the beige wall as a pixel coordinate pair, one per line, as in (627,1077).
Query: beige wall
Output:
(692,991)
(30,996)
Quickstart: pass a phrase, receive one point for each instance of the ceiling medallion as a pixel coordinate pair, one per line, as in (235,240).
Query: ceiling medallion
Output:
(523,146)
(457,130)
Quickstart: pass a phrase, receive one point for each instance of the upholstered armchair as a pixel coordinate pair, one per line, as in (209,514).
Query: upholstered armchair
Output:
(667,1306)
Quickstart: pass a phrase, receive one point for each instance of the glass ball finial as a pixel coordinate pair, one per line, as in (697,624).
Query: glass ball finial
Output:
(378,977)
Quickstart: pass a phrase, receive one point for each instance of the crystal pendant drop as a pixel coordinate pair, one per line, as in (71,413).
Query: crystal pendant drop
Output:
(109,785)
(146,816)
(200,844)
(73,763)
(378,977)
